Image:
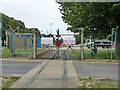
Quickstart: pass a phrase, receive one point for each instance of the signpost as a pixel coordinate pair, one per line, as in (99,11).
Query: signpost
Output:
(58,44)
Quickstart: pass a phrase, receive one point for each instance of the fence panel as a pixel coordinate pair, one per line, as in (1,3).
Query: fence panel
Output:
(23,45)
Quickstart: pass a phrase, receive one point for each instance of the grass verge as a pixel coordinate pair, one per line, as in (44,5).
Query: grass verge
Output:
(41,49)
(6,53)
(97,83)
(8,80)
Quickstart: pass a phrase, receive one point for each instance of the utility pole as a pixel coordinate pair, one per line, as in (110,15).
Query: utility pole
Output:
(51,28)
(82,43)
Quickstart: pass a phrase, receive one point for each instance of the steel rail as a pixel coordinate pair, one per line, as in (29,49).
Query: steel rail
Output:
(35,76)
(64,77)
(64,74)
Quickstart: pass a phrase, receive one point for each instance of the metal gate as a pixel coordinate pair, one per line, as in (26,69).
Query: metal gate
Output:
(58,50)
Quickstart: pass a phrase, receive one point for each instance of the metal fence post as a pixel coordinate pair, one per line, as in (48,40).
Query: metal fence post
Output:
(112,42)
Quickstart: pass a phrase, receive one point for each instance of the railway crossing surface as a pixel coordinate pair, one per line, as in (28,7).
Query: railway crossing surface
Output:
(50,74)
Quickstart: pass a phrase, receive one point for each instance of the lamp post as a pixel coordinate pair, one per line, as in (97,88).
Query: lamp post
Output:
(51,27)
(41,32)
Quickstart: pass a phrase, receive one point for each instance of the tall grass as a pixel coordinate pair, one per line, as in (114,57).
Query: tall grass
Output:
(20,52)
(101,54)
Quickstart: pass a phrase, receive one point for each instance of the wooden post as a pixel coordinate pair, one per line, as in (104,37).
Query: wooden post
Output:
(34,44)
(82,44)
(8,41)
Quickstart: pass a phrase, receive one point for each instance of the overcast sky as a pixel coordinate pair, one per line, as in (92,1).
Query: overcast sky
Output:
(35,14)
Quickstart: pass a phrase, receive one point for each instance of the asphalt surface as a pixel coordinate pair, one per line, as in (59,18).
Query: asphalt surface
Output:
(98,70)
(17,67)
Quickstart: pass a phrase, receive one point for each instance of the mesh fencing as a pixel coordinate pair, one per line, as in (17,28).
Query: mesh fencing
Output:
(73,52)
(118,43)
(23,45)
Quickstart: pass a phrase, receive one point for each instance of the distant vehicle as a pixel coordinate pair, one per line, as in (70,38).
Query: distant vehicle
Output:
(84,45)
(51,45)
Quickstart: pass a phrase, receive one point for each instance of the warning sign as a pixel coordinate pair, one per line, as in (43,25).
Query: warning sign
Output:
(58,43)
(68,40)
(46,40)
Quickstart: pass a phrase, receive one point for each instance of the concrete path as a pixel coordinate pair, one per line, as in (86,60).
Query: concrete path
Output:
(51,77)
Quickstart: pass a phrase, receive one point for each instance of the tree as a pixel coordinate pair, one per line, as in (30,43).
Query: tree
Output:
(36,29)
(97,18)
(8,22)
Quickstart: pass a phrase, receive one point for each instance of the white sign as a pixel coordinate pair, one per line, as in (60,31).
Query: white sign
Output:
(68,40)
(46,40)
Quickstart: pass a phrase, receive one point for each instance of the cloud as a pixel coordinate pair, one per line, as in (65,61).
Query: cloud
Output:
(35,13)
(25,1)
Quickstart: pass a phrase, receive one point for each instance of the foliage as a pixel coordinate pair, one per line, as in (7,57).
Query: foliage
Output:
(8,22)
(6,53)
(17,25)
(97,18)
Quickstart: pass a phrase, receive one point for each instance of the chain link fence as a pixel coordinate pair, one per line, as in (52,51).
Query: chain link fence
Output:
(118,43)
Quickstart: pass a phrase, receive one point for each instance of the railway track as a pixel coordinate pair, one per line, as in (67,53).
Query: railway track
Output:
(63,78)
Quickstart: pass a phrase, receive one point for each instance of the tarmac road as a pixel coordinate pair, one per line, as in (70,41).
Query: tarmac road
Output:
(17,67)
(99,70)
